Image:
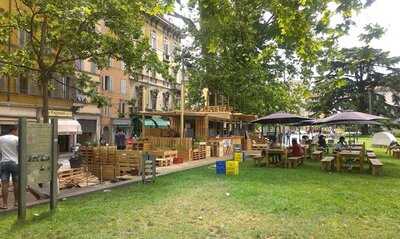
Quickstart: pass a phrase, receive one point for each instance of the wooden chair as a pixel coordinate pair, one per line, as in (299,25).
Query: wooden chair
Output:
(317,155)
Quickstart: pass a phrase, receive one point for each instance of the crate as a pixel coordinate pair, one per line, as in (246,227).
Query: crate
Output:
(178,160)
(220,167)
(208,151)
(238,156)
(196,154)
(164,162)
(232,167)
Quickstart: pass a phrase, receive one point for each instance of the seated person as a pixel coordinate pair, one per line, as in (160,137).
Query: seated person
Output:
(322,142)
(341,144)
(393,145)
(296,150)
(304,139)
(274,143)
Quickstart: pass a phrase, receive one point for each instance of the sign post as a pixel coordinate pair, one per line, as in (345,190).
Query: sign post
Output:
(22,169)
(37,159)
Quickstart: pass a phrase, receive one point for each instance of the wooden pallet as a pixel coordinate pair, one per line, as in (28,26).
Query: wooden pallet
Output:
(142,146)
(196,154)
(164,162)
(76,177)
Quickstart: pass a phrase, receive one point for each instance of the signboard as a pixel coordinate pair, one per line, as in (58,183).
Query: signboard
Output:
(60,113)
(37,160)
(38,153)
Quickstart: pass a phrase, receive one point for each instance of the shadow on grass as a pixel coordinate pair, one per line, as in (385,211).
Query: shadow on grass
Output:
(36,218)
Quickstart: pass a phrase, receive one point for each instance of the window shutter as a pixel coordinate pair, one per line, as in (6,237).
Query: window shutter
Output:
(103,87)
(110,84)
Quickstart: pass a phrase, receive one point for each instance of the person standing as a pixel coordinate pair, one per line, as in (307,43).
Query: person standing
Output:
(120,140)
(9,164)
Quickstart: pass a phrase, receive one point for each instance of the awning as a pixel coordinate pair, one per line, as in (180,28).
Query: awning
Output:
(69,126)
(160,122)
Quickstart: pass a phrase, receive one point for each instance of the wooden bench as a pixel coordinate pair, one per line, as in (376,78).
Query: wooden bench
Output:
(396,153)
(258,160)
(327,163)
(294,161)
(371,155)
(375,166)
(317,155)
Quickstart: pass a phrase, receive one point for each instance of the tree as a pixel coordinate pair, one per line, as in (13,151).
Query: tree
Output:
(358,76)
(248,50)
(60,33)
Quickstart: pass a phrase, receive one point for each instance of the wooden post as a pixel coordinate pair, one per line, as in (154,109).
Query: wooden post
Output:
(182,132)
(22,169)
(143,110)
(54,163)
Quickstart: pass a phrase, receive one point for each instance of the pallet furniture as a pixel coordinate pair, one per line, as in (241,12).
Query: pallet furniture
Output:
(396,153)
(141,146)
(317,155)
(294,161)
(371,155)
(76,177)
(164,157)
(148,168)
(327,163)
(356,156)
(375,166)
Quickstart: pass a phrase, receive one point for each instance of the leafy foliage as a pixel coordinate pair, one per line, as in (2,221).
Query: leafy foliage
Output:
(247,49)
(60,32)
(349,78)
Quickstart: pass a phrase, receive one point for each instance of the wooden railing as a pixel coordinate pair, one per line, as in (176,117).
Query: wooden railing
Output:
(170,143)
(218,108)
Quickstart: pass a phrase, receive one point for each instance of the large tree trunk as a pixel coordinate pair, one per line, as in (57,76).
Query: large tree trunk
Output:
(45,97)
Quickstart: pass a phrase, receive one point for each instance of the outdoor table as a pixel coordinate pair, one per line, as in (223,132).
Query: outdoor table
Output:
(345,154)
(355,148)
(276,152)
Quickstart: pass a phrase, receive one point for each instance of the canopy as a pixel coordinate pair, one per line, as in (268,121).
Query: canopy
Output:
(352,117)
(383,139)
(69,126)
(280,118)
(160,122)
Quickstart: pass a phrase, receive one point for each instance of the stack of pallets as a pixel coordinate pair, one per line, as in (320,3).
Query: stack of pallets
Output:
(164,157)
(76,177)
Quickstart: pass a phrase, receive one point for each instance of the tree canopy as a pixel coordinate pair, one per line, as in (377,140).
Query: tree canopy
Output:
(59,33)
(358,78)
(250,51)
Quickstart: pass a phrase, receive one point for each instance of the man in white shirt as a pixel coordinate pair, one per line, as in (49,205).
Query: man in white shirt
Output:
(9,164)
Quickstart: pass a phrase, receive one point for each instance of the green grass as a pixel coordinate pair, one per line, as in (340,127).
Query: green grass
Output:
(259,203)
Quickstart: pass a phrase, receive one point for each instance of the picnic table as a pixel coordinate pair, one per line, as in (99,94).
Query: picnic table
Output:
(349,154)
(276,153)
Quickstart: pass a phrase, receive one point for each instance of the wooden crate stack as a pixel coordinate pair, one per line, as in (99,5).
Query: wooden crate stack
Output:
(128,162)
(202,150)
(164,157)
(76,177)
(196,154)
(142,146)
(208,151)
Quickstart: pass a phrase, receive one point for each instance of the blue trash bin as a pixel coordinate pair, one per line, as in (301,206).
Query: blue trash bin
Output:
(220,167)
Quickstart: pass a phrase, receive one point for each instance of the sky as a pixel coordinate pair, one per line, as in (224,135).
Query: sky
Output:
(384,12)
(387,14)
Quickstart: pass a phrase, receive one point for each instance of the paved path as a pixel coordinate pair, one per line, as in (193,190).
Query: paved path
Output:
(73,192)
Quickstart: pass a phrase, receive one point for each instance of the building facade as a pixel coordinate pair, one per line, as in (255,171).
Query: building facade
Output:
(127,95)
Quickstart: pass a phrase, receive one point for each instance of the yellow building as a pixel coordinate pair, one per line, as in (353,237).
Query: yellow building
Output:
(20,97)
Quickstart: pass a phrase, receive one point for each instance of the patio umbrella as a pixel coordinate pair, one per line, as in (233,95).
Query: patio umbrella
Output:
(349,116)
(280,118)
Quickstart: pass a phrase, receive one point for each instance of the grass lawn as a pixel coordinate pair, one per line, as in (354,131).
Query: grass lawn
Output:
(259,203)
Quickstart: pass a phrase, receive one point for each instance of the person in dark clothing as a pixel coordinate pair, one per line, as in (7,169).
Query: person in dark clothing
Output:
(322,142)
(120,140)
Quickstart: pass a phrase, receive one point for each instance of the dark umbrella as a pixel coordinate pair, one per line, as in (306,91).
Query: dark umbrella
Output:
(280,118)
(349,116)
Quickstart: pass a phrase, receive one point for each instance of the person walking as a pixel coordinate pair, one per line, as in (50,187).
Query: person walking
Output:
(120,140)
(9,164)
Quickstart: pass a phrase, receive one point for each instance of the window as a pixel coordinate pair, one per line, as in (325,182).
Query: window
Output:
(93,68)
(153,40)
(166,46)
(23,38)
(123,65)
(79,65)
(121,107)
(123,87)
(22,85)
(107,83)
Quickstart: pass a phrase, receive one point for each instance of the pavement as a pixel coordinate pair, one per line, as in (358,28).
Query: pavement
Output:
(74,192)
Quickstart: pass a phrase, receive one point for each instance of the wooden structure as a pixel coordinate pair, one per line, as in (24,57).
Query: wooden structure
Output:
(375,166)
(327,163)
(148,168)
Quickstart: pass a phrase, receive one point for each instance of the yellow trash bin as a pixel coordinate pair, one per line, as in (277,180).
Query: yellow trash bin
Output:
(232,167)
